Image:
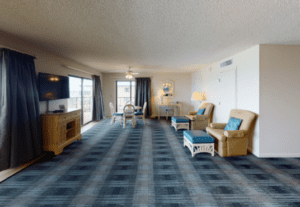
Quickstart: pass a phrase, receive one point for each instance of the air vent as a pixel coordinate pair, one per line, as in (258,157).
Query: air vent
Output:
(226,63)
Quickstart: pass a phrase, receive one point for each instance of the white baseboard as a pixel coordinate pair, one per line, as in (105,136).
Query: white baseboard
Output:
(250,150)
(253,152)
(273,155)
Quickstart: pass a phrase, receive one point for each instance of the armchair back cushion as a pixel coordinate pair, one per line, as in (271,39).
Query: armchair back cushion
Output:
(247,117)
(233,124)
(201,111)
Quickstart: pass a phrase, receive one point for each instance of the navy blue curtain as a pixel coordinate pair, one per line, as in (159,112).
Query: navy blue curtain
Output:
(98,108)
(143,93)
(20,130)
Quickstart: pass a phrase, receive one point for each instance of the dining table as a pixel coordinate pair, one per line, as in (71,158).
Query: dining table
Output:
(137,108)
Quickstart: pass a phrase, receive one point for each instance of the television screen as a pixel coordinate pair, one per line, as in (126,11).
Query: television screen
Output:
(52,87)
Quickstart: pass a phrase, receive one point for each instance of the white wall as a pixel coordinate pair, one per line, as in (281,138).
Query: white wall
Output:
(182,82)
(47,63)
(279,101)
(246,64)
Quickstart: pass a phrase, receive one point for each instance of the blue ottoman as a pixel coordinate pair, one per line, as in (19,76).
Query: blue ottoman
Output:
(198,141)
(180,122)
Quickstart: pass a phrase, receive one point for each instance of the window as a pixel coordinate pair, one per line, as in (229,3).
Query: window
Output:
(81,97)
(125,92)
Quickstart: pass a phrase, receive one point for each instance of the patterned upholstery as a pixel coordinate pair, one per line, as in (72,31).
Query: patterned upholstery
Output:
(232,143)
(198,136)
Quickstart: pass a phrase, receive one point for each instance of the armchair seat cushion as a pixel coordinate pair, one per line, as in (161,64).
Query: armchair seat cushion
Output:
(218,125)
(198,136)
(217,133)
(138,113)
(118,114)
(180,119)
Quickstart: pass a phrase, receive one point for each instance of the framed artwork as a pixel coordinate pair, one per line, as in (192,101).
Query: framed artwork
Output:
(168,88)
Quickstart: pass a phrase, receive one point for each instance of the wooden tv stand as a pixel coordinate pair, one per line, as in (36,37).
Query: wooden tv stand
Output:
(60,129)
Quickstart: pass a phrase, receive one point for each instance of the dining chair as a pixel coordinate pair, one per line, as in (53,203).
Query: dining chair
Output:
(129,102)
(128,111)
(115,116)
(141,114)
(170,109)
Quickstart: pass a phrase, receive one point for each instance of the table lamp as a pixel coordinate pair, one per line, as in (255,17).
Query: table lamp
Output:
(197,97)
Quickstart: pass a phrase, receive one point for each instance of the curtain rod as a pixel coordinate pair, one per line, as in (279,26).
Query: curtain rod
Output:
(4,47)
(77,69)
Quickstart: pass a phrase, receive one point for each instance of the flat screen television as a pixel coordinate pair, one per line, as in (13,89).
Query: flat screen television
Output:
(52,87)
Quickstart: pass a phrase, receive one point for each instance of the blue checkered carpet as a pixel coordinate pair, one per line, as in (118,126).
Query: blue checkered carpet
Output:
(148,166)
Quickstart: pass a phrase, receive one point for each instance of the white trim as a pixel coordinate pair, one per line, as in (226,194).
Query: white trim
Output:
(253,152)
(279,155)
(250,150)
(78,69)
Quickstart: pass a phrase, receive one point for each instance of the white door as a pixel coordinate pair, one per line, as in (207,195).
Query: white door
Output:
(227,94)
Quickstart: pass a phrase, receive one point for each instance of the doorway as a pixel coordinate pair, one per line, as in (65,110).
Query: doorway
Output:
(125,92)
(227,94)
(81,97)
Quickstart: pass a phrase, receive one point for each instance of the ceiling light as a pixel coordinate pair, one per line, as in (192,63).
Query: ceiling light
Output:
(129,73)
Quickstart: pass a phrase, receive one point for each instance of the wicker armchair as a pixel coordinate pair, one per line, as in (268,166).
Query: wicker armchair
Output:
(232,142)
(200,122)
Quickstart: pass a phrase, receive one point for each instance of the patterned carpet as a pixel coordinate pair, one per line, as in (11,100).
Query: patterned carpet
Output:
(148,166)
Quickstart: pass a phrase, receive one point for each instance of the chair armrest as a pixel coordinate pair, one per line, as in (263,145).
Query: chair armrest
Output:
(201,117)
(235,133)
(192,112)
(190,117)
(218,125)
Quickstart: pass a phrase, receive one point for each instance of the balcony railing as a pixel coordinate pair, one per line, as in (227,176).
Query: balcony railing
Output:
(75,103)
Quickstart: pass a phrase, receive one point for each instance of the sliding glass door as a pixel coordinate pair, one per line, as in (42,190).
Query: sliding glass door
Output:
(125,92)
(81,97)
(87,100)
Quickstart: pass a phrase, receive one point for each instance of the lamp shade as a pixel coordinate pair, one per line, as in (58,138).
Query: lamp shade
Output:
(197,96)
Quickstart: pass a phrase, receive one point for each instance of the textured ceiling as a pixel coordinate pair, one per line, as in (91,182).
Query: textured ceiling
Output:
(151,35)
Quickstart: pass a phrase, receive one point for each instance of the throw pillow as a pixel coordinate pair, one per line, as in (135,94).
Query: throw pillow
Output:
(200,111)
(233,124)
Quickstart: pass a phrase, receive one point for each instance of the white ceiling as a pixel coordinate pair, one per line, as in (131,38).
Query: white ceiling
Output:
(154,35)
